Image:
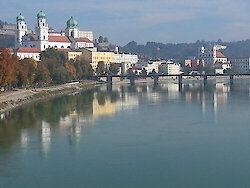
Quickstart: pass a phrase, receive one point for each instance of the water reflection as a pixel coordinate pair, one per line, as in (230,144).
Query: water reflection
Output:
(45,138)
(72,114)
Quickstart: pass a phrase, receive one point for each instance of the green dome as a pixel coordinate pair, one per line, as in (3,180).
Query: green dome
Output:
(20,18)
(72,23)
(41,14)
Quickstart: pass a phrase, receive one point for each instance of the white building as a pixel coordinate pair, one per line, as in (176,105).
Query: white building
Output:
(151,66)
(125,66)
(23,52)
(127,61)
(125,58)
(212,55)
(241,65)
(220,68)
(170,68)
(71,37)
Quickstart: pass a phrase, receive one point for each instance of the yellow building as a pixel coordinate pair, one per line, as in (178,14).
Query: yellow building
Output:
(73,55)
(95,57)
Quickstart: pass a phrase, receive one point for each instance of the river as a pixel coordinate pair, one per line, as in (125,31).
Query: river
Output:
(131,137)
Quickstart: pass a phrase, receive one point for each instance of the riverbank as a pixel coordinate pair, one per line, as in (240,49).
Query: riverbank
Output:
(15,98)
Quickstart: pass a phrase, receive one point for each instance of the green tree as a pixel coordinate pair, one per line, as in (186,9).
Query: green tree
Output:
(100,39)
(61,75)
(105,40)
(83,69)
(101,68)
(114,68)
(42,74)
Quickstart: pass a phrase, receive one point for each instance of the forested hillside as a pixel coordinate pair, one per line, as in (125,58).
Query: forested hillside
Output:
(240,49)
(6,41)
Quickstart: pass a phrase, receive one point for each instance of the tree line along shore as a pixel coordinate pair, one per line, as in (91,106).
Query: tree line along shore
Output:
(25,80)
(54,68)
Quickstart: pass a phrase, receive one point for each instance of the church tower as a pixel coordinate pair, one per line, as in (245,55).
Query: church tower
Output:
(42,31)
(72,28)
(21,30)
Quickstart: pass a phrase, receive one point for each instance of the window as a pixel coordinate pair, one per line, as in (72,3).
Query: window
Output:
(44,37)
(62,46)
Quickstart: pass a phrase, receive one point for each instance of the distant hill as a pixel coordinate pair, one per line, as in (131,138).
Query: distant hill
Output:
(239,49)
(6,41)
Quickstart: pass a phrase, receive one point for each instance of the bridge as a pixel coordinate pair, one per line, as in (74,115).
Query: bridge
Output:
(155,77)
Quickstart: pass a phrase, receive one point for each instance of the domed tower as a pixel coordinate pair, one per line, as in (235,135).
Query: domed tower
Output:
(72,28)
(42,31)
(21,30)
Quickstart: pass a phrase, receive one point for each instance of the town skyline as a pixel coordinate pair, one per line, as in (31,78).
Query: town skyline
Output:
(125,21)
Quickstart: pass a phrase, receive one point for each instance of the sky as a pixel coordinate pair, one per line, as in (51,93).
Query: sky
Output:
(166,21)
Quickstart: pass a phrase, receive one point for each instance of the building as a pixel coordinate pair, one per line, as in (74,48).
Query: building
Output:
(126,61)
(241,65)
(220,68)
(192,62)
(211,55)
(170,68)
(45,37)
(152,66)
(8,29)
(95,57)
(125,58)
(23,52)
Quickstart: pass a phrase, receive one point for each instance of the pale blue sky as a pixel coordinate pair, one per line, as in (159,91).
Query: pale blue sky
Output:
(164,21)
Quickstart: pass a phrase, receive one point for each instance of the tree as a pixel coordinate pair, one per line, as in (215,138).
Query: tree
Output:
(114,68)
(42,74)
(8,67)
(100,39)
(83,68)
(130,71)
(26,71)
(101,68)
(105,40)
(61,75)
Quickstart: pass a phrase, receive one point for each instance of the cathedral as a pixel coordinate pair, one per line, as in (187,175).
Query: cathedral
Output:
(45,37)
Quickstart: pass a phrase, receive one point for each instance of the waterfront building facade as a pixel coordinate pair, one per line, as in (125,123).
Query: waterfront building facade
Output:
(95,57)
(241,65)
(212,54)
(170,68)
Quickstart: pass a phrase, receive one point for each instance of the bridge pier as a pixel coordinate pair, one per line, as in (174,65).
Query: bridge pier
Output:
(180,79)
(231,79)
(109,79)
(156,79)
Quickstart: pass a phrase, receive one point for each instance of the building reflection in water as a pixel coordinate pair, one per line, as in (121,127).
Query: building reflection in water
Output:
(45,138)
(79,112)
(24,139)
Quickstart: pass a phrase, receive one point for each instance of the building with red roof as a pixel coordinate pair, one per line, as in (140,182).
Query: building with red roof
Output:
(45,36)
(212,55)
(27,52)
